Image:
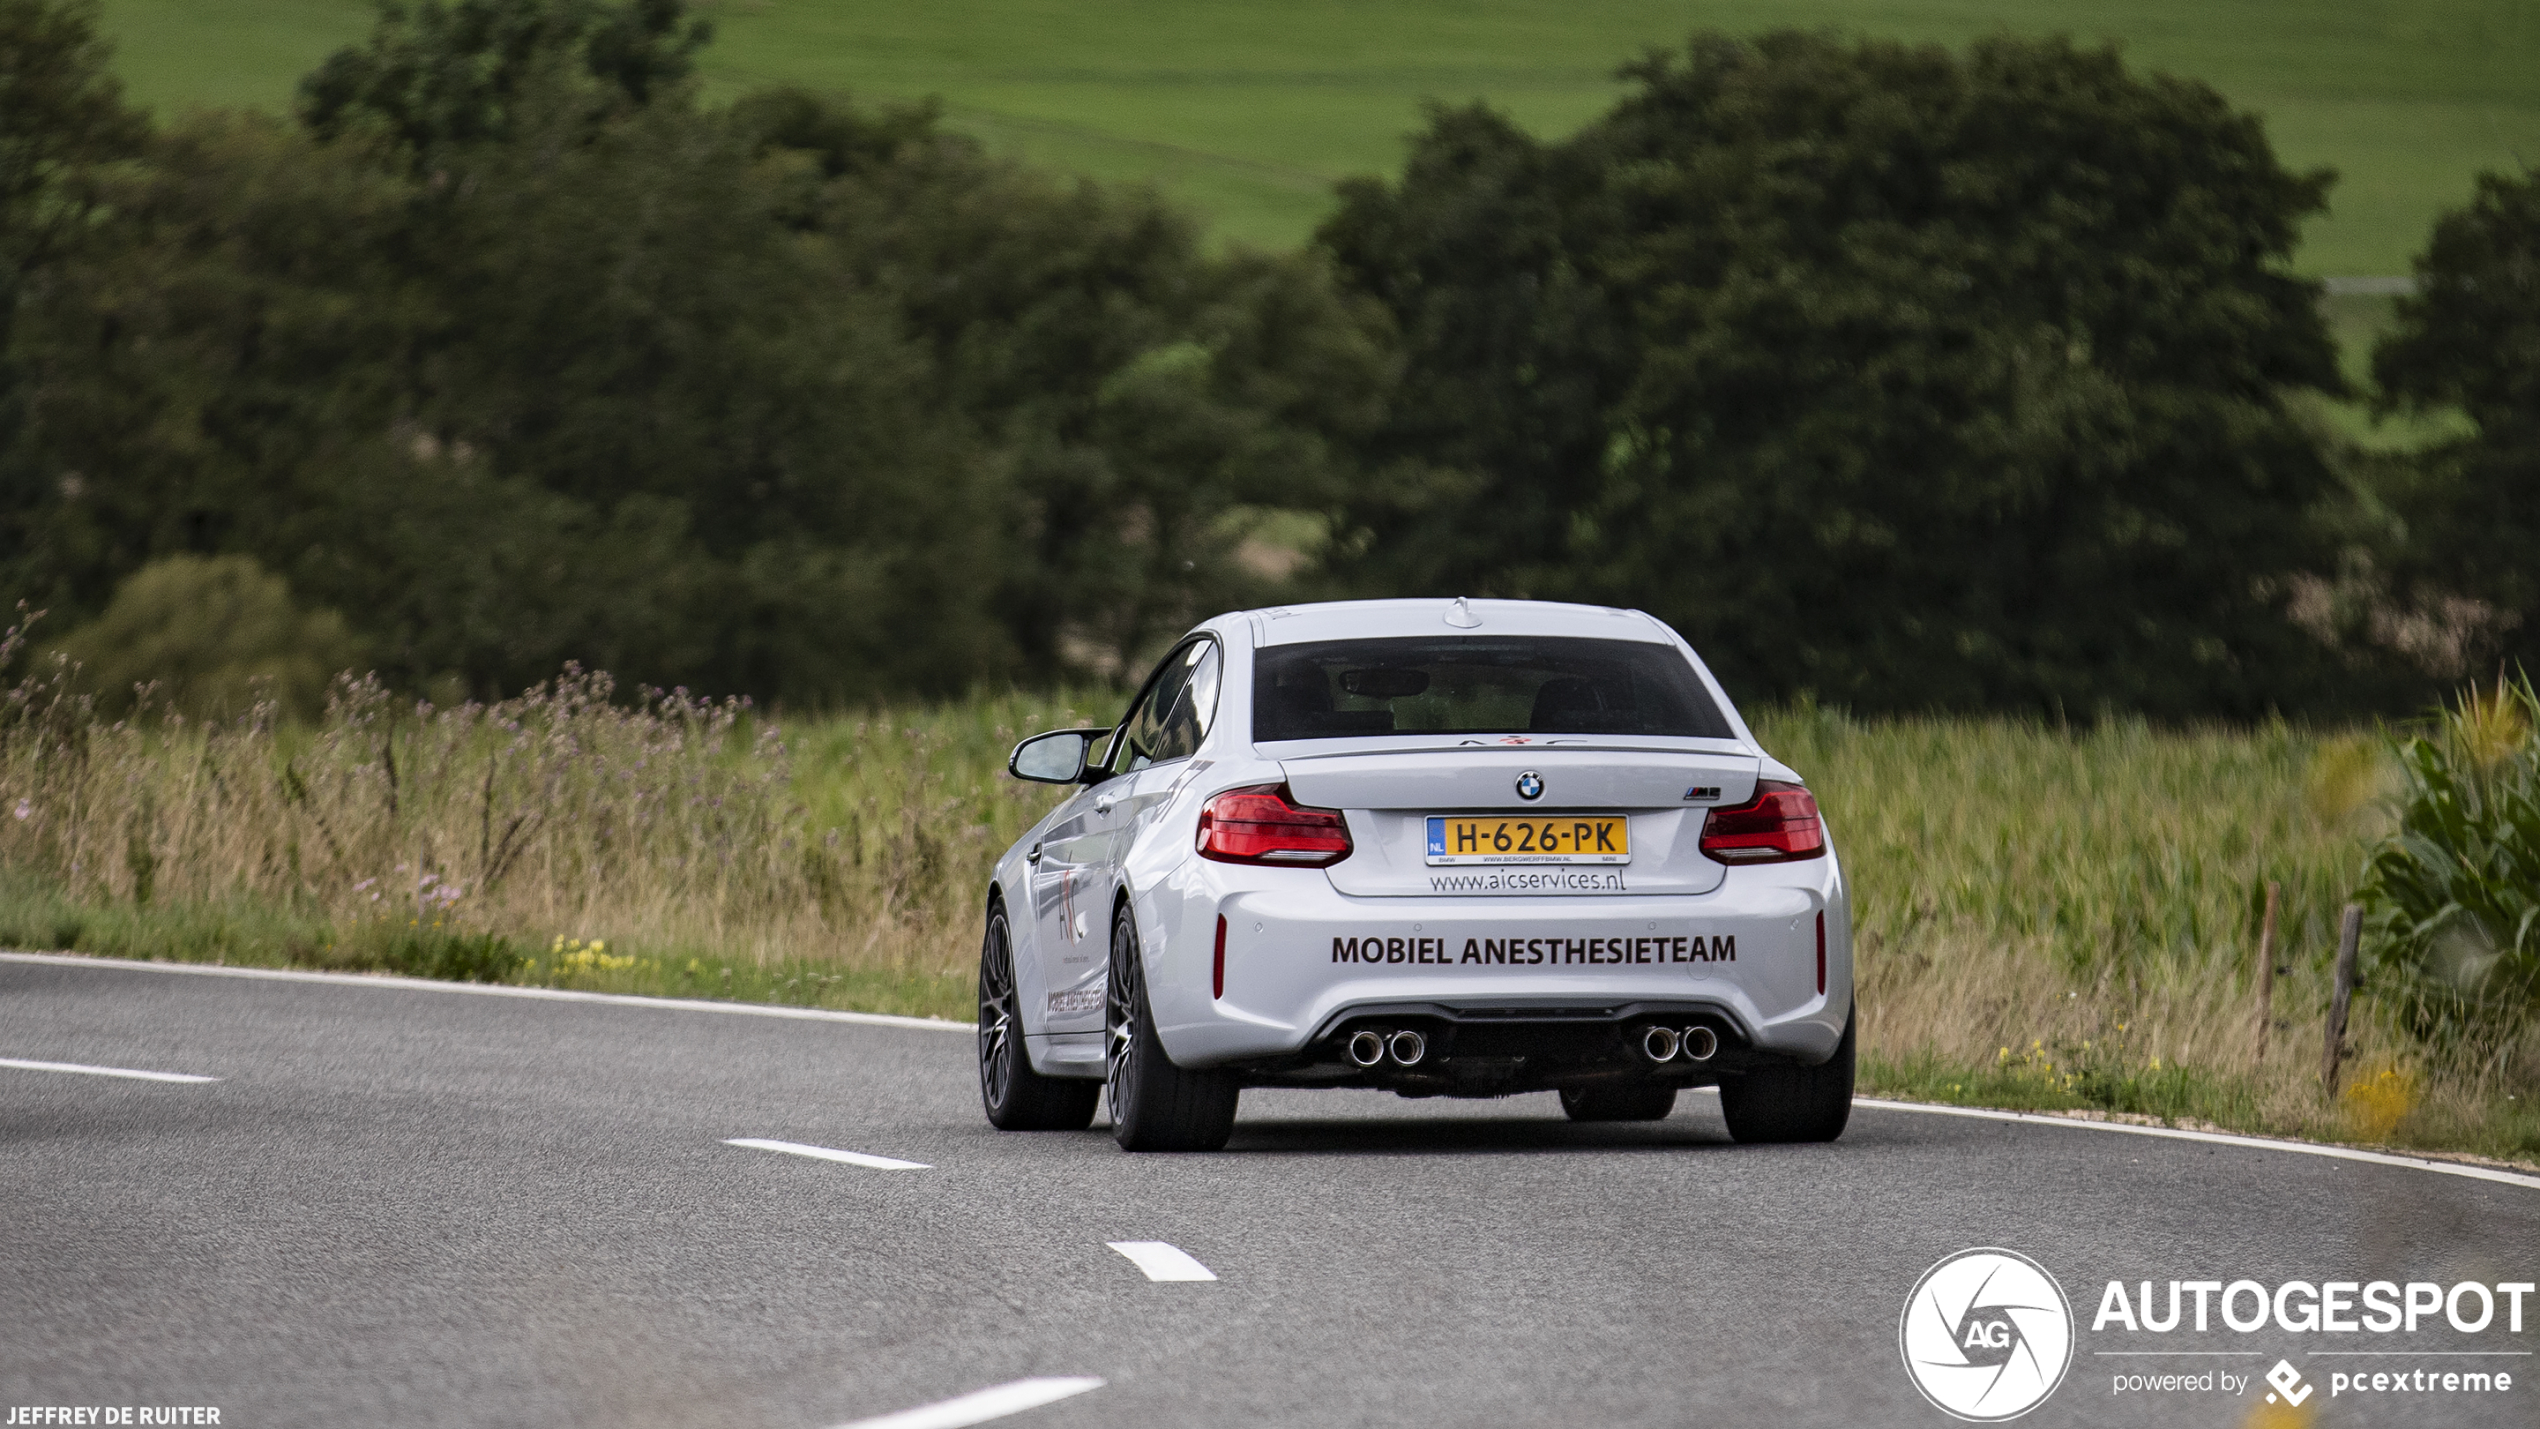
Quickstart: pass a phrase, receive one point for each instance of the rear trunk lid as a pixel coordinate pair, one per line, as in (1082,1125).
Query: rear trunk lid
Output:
(1389,797)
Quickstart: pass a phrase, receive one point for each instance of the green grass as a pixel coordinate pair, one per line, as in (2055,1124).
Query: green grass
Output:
(557,840)
(2356,321)
(2114,848)
(2502,1128)
(1249,111)
(2053,919)
(260,931)
(2046,918)
(2170,1094)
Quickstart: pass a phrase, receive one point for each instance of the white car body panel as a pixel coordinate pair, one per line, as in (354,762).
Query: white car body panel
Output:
(1132,838)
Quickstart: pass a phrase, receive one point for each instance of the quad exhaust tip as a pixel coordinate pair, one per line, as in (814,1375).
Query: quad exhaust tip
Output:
(1694,1044)
(1369,1046)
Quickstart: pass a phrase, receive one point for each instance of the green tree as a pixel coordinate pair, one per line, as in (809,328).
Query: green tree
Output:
(600,407)
(772,505)
(1147,405)
(63,129)
(2468,340)
(1913,378)
(212,357)
(62,120)
(517,355)
(437,76)
(210,636)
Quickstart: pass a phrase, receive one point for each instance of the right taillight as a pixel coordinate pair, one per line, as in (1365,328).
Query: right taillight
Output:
(1260,824)
(1778,825)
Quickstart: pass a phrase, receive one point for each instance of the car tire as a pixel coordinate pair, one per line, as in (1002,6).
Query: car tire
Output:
(1783,1104)
(1016,1097)
(1155,1106)
(1640,1103)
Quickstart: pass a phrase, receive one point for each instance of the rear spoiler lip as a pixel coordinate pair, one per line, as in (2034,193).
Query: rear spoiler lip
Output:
(1290,751)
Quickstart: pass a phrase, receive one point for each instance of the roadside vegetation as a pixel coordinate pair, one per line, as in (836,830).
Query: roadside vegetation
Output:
(2068,920)
(578,835)
(2048,917)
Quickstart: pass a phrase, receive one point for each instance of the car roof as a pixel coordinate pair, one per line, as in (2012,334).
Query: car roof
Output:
(1383,619)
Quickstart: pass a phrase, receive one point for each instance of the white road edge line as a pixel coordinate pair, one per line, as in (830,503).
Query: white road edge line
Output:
(488,989)
(1161,1260)
(980,1406)
(2217,1138)
(823,1153)
(103,1071)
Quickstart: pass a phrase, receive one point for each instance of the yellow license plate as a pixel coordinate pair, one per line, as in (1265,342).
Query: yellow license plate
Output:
(1572,838)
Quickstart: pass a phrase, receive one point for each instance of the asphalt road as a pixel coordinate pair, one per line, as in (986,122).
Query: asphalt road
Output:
(409,1206)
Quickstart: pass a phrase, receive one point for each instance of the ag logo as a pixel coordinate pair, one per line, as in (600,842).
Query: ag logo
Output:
(1530,785)
(1986,1335)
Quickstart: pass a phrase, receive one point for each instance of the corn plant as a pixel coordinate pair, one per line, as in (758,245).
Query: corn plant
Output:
(2452,896)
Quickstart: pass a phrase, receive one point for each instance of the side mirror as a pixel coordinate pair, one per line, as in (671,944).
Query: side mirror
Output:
(1054,758)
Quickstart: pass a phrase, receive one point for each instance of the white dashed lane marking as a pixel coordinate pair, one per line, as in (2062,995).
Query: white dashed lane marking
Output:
(87,1071)
(1161,1261)
(824,1153)
(980,1406)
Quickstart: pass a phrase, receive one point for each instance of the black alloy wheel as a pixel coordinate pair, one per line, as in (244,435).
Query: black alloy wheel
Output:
(1781,1104)
(1016,1097)
(1155,1105)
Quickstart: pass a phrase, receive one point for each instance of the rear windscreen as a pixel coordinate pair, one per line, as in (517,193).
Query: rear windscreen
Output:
(1466,684)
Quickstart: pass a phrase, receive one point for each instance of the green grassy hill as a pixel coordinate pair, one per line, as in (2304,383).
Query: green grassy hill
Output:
(1249,110)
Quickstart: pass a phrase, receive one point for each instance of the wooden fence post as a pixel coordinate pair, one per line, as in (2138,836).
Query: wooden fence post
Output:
(2349,935)
(2266,967)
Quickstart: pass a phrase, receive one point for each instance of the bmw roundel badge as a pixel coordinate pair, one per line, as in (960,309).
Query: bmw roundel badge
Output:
(1530,785)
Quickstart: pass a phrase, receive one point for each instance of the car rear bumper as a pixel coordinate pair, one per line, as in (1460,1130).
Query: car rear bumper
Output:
(1304,964)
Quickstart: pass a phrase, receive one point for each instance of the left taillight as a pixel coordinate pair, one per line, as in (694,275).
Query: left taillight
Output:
(1261,824)
(1779,825)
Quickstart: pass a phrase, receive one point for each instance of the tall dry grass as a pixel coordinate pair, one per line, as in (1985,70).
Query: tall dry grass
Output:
(679,835)
(2046,917)
(2070,918)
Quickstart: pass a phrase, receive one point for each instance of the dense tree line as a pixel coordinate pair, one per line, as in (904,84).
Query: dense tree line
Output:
(2468,341)
(512,352)
(1910,377)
